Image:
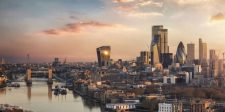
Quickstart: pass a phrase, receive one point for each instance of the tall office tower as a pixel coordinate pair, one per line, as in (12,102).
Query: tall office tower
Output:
(220,67)
(213,63)
(203,58)
(144,57)
(167,59)
(202,51)
(160,38)
(154,55)
(190,52)
(180,56)
(103,54)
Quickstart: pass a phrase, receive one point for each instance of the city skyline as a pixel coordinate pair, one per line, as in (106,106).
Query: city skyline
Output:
(74,29)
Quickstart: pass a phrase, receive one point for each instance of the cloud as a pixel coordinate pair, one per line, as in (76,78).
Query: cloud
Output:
(142,3)
(79,27)
(145,14)
(134,8)
(218,17)
(191,2)
(122,1)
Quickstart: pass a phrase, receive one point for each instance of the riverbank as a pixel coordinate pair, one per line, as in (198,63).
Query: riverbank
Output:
(40,98)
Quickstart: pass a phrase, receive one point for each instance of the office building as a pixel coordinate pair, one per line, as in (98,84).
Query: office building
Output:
(213,63)
(154,55)
(167,59)
(144,57)
(103,54)
(203,58)
(180,56)
(190,52)
(192,69)
(159,38)
(202,51)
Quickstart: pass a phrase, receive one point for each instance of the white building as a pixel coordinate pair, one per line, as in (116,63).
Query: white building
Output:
(121,106)
(164,107)
(171,106)
(169,79)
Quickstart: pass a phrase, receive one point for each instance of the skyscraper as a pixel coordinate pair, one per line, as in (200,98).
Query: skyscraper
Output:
(190,52)
(159,38)
(213,63)
(202,51)
(103,54)
(154,55)
(180,56)
(203,57)
(144,55)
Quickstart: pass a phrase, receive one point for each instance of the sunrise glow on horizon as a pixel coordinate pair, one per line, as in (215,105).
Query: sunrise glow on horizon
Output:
(73,29)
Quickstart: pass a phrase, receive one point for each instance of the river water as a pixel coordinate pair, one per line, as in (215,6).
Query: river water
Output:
(40,98)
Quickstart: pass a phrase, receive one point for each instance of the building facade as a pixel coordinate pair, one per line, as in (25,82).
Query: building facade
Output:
(144,57)
(190,52)
(103,54)
(202,51)
(213,63)
(160,39)
(180,56)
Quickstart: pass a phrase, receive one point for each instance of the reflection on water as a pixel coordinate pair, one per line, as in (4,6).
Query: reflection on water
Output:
(2,91)
(49,92)
(29,92)
(40,98)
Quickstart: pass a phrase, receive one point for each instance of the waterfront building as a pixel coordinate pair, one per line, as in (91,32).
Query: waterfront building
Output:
(103,54)
(2,80)
(121,106)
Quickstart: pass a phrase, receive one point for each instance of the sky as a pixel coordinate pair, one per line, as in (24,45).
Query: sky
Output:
(73,29)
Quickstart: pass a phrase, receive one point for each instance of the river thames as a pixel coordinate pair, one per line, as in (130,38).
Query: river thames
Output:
(40,98)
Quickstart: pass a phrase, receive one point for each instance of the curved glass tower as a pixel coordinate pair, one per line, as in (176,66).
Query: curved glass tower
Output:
(180,56)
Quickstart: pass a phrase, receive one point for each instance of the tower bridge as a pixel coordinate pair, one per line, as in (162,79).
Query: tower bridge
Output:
(39,73)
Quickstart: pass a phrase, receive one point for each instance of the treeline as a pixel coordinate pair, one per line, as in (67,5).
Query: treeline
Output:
(195,92)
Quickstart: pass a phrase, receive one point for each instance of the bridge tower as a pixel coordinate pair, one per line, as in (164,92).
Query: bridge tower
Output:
(50,76)
(28,77)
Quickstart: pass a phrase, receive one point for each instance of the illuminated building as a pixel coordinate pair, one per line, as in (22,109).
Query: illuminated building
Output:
(103,54)
(154,55)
